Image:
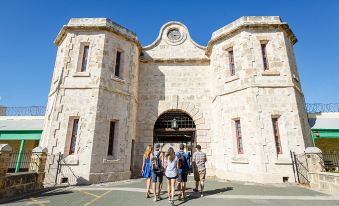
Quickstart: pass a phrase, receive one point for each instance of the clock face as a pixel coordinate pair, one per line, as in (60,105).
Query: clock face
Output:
(174,34)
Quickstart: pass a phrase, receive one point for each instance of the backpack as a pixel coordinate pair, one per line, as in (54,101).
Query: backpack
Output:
(156,163)
(182,161)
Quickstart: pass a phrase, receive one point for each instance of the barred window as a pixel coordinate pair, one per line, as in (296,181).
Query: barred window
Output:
(74,136)
(238,136)
(264,55)
(231,62)
(84,60)
(117,63)
(276,135)
(111,138)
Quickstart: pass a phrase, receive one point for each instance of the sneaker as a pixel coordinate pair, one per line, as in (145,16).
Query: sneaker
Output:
(195,190)
(201,194)
(155,199)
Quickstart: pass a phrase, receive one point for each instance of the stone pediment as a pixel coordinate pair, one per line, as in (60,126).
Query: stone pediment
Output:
(174,44)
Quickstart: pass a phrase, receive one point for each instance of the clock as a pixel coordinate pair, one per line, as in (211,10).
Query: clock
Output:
(174,34)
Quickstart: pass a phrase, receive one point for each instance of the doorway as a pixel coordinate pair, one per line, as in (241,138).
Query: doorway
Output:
(173,128)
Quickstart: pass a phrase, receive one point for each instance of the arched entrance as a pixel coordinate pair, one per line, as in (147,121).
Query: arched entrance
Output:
(174,127)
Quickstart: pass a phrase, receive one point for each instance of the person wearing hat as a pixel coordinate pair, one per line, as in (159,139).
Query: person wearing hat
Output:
(199,169)
(157,159)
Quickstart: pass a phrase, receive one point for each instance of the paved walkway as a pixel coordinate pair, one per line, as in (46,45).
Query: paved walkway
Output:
(217,192)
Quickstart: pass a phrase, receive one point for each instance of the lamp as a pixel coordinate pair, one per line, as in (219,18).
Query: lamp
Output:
(317,133)
(174,124)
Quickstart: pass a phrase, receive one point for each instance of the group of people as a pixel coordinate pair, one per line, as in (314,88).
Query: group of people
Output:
(175,166)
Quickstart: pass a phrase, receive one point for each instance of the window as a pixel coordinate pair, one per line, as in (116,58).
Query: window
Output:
(276,135)
(238,136)
(117,64)
(74,135)
(264,55)
(231,61)
(84,60)
(111,139)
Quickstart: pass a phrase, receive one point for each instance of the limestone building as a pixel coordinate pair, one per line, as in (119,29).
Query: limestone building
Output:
(239,97)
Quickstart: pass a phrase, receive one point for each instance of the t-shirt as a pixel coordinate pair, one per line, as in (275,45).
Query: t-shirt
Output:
(186,157)
(171,167)
(199,158)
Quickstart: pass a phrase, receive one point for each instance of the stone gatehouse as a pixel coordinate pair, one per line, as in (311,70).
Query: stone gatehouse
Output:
(239,97)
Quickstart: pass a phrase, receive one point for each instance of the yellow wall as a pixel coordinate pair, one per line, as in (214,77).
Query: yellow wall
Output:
(15,144)
(327,144)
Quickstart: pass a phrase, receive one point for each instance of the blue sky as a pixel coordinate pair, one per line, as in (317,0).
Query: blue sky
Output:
(28,28)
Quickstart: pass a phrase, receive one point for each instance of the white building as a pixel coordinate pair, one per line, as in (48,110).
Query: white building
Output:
(239,97)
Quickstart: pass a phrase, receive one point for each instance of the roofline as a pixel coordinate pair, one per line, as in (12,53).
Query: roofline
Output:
(243,23)
(105,24)
(161,31)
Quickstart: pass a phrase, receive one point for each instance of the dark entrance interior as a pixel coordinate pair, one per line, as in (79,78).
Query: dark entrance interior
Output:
(175,127)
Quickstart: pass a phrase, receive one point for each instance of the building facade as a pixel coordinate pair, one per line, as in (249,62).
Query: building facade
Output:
(239,97)
(325,130)
(23,134)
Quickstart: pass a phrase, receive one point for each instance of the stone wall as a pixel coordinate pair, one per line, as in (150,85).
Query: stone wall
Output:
(178,74)
(20,183)
(254,95)
(117,101)
(325,181)
(96,97)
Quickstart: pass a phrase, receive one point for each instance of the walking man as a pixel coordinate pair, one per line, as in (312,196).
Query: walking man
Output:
(184,168)
(157,160)
(199,169)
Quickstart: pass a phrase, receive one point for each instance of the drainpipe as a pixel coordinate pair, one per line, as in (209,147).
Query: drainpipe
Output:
(21,150)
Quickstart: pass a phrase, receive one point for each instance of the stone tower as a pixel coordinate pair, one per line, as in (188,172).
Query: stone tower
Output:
(239,97)
(90,96)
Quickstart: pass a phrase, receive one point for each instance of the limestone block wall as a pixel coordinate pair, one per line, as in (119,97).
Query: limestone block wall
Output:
(255,96)
(164,87)
(16,185)
(175,73)
(74,94)
(117,102)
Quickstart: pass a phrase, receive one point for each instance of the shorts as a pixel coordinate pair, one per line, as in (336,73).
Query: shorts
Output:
(182,176)
(171,178)
(199,175)
(157,176)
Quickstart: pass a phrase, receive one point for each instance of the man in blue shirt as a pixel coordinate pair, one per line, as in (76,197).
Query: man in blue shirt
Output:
(184,167)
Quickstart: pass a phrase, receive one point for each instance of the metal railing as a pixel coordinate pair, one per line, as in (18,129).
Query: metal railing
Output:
(23,111)
(40,110)
(21,162)
(331,161)
(321,107)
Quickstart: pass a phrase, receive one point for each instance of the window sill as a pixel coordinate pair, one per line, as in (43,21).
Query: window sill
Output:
(231,78)
(110,160)
(118,79)
(270,73)
(81,74)
(240,160)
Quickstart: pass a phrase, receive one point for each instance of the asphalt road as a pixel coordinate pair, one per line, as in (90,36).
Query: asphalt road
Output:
(217,192)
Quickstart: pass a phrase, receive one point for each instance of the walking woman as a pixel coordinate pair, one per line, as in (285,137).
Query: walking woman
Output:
(146,168)
(171,165)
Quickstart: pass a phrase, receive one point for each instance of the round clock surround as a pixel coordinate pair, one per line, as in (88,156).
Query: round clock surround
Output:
(174,34)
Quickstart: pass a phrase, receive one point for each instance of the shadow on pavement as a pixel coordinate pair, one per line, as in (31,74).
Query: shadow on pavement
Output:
(37,195)
(196,195)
